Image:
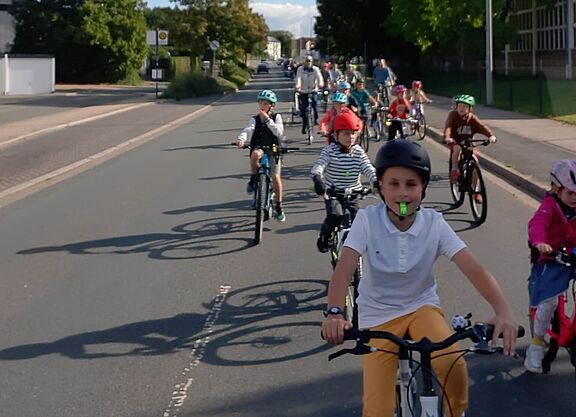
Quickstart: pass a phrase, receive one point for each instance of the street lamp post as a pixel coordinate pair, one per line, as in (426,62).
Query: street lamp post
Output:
(489,57)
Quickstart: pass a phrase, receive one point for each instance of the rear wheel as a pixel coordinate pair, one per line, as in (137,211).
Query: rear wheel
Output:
(260,207)
(477,194)
(456,189)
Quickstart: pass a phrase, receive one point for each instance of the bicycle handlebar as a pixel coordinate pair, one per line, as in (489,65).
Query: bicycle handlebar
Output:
(563,257)
(348,192)
(283,149)
(479,333)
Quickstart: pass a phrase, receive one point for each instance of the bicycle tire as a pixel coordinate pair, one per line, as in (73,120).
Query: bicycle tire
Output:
(260,207)
(351,296)
(310,124)
(456,190)
(479,210)
(365,143)
(421,127)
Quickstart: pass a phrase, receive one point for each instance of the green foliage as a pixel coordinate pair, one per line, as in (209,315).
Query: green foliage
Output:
(196,84)
(93,41)
(285,39)
(180,65)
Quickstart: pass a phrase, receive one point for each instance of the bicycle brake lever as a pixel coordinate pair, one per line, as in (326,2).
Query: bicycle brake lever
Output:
(359,349)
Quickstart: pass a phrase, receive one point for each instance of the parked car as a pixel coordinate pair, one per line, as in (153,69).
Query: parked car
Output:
(262,67)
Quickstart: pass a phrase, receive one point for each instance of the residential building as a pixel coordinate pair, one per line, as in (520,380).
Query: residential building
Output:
(273,48)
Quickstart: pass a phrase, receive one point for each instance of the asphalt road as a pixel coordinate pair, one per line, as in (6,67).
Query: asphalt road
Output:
(132,288)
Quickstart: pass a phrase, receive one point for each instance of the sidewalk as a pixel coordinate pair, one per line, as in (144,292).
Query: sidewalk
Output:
(527,146)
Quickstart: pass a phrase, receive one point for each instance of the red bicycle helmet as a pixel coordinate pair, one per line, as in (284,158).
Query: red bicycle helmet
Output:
(346,120)
(416,84)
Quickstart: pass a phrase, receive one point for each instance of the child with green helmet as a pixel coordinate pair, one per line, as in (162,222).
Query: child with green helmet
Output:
(266,130)
(462,124)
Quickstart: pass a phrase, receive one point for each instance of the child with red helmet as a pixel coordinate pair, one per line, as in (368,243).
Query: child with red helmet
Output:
(399,109)
(552,228)
(340,166)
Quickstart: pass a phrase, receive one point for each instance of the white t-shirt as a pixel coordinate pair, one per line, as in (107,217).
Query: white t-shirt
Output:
(398,266)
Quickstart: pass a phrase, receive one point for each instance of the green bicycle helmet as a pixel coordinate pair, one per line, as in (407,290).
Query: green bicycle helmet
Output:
(268,95)
(466,99)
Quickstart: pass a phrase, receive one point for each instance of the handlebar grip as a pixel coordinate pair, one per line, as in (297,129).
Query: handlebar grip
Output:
(490,331)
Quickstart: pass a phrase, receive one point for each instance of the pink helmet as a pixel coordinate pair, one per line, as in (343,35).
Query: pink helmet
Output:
(563,174)
(416,84)
(398,89)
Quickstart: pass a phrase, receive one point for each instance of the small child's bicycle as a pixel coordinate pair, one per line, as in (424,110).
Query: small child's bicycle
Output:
(562,330)
(264,195)
(410,400)
(337,238)
(470,180)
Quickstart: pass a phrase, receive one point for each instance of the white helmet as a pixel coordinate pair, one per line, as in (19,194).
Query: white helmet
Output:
(563,174)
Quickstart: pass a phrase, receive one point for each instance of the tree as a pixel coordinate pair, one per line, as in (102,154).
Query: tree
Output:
(285,39)
(93,41)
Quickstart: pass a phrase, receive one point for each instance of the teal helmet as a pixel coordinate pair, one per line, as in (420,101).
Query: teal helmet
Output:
(466,99)
(268,95)
(338,97)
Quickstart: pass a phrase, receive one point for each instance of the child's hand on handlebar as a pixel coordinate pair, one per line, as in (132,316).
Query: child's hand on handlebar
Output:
(544,248)
(448,141)
(333,329)
(506,325)
(240,143)
(492,139)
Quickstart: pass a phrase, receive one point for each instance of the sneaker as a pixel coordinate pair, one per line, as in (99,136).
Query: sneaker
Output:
(322,244)
(534,356)
(454,177)
(478,198)
(250,187)
(280,216)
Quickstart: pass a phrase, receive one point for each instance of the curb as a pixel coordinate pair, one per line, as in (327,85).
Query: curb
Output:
(534,189)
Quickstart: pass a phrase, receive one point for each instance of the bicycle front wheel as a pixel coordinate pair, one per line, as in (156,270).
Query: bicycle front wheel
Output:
(365,138)
(421,127)
(260,207)
(477,194)
(310,124)
(456,189)
(351,296)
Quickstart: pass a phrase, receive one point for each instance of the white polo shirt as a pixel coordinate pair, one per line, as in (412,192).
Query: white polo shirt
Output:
(398,266)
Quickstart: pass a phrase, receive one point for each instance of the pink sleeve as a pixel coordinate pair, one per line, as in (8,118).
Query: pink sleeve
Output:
(540,222)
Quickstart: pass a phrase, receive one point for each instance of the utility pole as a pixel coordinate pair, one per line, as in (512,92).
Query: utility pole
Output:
(489,57)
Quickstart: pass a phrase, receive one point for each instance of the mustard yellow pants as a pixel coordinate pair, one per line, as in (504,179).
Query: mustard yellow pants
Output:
(380,368)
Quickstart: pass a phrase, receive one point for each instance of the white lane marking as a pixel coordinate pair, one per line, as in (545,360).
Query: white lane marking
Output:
(73,123)
(180,392)
(59,172)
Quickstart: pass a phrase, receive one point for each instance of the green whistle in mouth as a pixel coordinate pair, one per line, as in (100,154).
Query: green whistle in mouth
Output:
(403,208)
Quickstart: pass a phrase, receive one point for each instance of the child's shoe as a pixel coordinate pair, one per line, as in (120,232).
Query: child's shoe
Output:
(478,198)
(250,185)
(322,243)
(280,215)
(534,356)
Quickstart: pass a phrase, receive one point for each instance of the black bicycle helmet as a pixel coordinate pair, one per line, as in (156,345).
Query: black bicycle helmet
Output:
(403,153)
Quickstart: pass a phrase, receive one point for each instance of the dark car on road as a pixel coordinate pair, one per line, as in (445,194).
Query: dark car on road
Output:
(262,67)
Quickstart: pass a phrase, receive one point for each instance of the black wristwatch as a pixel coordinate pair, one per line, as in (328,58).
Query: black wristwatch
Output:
(333,310)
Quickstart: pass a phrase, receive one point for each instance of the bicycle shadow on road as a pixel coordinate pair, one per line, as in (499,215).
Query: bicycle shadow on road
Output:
(146,338)
(192,240)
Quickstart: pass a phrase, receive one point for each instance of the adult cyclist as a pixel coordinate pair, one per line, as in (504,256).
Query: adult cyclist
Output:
(308,82)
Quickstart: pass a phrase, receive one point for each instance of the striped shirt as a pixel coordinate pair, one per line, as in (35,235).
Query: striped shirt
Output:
(342,170)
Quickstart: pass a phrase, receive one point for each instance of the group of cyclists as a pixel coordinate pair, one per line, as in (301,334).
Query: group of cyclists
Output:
(399,240)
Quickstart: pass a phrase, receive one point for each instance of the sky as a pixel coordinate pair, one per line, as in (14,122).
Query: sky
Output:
(296,16)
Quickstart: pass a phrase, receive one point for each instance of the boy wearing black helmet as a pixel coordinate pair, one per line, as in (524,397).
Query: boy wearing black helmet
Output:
(399,243)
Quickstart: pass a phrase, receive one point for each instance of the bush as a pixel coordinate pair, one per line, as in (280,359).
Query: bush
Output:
(233,72)
(196,84)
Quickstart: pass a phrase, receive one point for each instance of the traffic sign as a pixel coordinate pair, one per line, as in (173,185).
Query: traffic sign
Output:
(214,45)
(157,37)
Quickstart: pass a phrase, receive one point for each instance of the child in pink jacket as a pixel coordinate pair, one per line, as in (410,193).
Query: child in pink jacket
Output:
(552,228)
